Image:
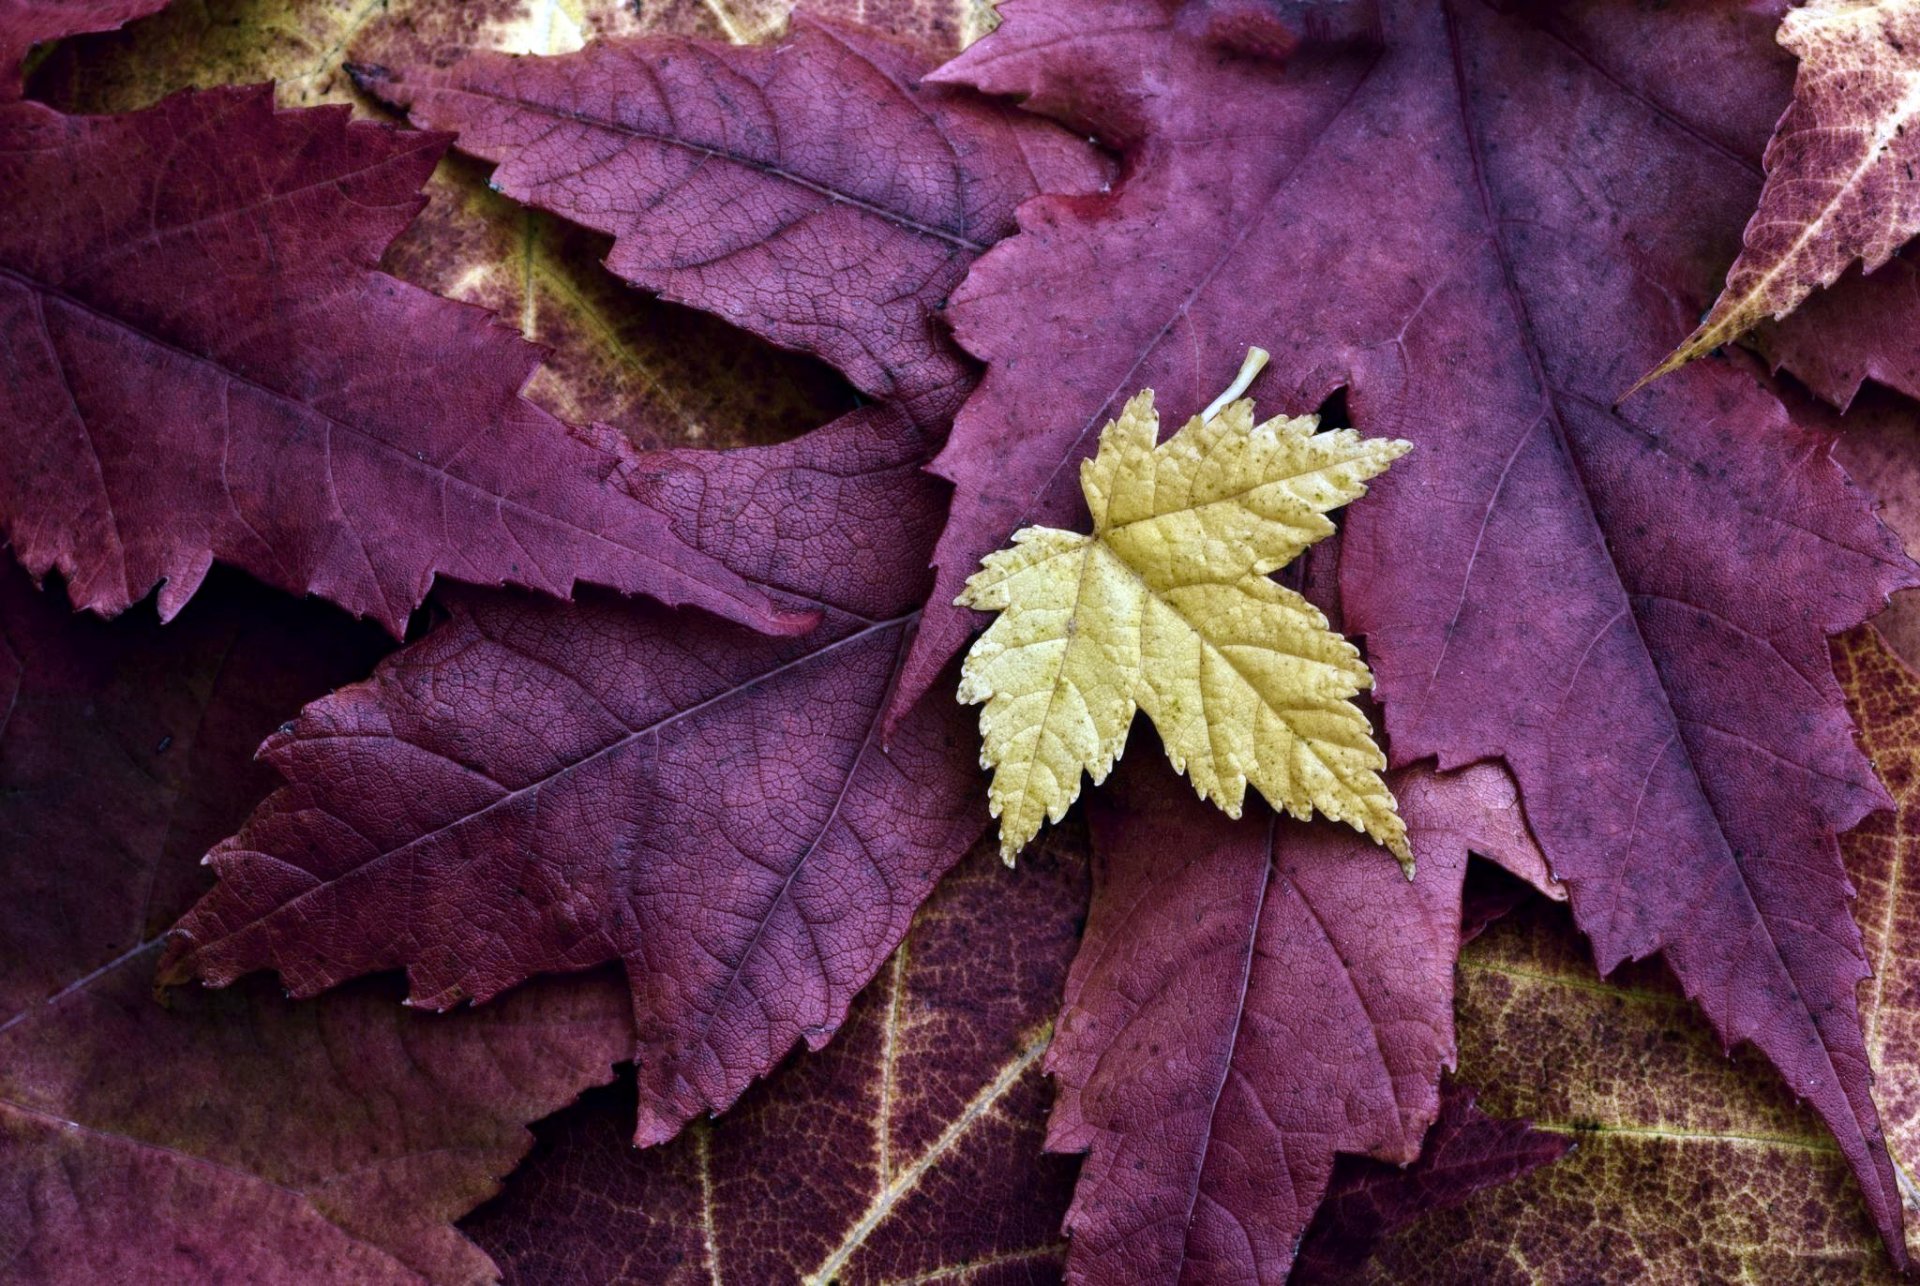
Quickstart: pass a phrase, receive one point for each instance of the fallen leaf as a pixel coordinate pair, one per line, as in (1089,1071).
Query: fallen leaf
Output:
(229,1135)
(207,366)
(1859,330)
(26,23)
(1465,1152)
(1839,167)
(810,192)
(1168,607)
(303,46)
(1687,1165)
(1878,444)
(665,375)
(1250,1000)
(908,1150)
(539,787)
(1628,605)
(1880,853)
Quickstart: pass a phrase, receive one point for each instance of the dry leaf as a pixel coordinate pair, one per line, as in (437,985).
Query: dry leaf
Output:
(1168,607)
(1687,1165)
(1839,167)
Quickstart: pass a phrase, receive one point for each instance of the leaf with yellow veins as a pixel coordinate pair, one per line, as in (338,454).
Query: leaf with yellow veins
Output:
(1167,607)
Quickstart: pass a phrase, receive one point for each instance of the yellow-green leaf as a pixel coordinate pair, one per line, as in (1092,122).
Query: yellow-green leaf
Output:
(1168,607)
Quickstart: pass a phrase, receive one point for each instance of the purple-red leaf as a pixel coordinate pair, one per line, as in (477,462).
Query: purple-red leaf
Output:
(907,1151)
(220,1136)
(1628,605)
(812,192)
(1465,1152)
(537,787)
(201,362)
(26,23)
(1839,187)
(1253,998)
(1859,330)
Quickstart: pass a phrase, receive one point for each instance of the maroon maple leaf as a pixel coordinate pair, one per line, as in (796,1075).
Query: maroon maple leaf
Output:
(537,786)
(812,192)
(26,23)
(221,1135)
(1628,605)
(203,363)
(909,1150)
(1251,999)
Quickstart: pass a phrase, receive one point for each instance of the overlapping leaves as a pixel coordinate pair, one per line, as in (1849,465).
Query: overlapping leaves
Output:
(1170,607)
(1629,605)
(538,786)
(226,1134)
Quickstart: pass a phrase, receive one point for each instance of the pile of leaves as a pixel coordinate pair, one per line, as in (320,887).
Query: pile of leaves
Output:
(569,446)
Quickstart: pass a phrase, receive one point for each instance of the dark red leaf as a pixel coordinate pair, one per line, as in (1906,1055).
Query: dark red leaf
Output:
(203,363)
(1859,330)
(539,787)
(26,23)
(1629,606)
(1465,1152)
(231,1136)
(1252,998)
(1878,443)
(812,192)
(908,1150)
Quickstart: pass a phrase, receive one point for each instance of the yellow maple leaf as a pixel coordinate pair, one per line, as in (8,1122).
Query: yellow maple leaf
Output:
(1168,607)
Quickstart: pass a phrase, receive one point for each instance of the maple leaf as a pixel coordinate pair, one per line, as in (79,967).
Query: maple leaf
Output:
(1167,607)
(1839,166)
(26,23)
(1465,1152)
(303,47)
(1857,331)
(1885,696)
(1398,221)
(537,786)
(664,374)
(811,192)
(288,409)
(1878,444)
(231,1134)
(908,1150)
(1308,990)
(1677,1147)
(1687,1165)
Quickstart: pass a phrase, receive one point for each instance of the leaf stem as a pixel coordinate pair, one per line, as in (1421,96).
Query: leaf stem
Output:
(1256,360)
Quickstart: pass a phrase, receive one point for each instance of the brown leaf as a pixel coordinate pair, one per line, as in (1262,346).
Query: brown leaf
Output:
(1881,855)
(1465,1152)
(1687,1166)
(908,1150)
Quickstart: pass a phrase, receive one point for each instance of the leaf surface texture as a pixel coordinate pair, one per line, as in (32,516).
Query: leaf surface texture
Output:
(208,366)
(221,1134)
(1397,218)
(1168,607)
